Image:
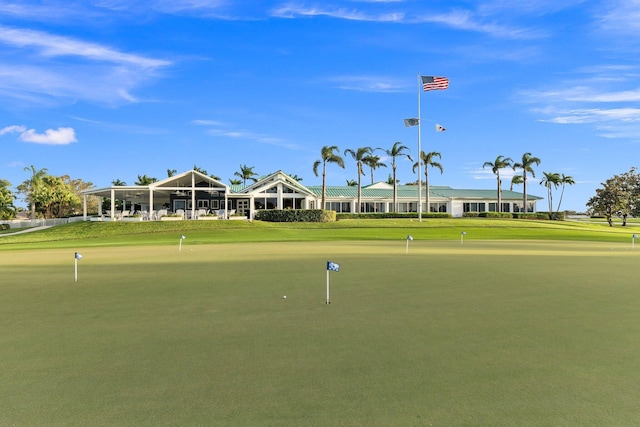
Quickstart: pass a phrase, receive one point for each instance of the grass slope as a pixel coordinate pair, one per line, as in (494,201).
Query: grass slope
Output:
(162,233)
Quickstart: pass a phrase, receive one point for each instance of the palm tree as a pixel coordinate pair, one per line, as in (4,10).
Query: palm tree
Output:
(373,162)
(235,181)
(327,156)
(351,182)
(527,166)
(245,173)
(515,180)
(427,159)
(33,186)
(171,172)
(145,180)
(296,177)
(118,183)
(7,209)
(564,180)
(398,150)
(551,179)
(501,162)
(360,156)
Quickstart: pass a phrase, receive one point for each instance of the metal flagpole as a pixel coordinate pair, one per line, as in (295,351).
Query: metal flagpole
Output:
(419,159)
(327,302)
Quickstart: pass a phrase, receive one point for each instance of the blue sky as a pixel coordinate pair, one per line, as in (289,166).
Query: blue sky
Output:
(112,89)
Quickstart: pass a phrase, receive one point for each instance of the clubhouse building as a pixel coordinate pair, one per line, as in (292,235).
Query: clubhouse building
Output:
(193,195)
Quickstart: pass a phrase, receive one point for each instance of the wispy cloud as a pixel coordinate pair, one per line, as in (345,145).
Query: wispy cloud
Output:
(367,83)
(12,129)
(39,67)
(294,11)
(217,128)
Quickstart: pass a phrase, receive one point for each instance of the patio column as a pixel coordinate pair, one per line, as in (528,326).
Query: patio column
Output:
(113,204)
(84,207)
(193,195)
(151,203)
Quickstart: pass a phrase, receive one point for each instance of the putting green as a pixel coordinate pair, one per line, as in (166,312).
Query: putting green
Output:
(479,333)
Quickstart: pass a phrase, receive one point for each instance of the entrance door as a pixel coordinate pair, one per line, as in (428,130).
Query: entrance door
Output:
(243,206)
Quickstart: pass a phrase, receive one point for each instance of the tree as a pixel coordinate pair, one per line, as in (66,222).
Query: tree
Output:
(171,172)
(501,162)
(245,173)
(619,195)
(374,163)
(296,177)
(428,159)
(360,155)
(118,183)
(515,180)
(352,183)
(32,188)
(145,180)
(398,150)
(527,166)
(7,209)
(564,180)
(59,198)
(551,179)
(327,155)
(235,181)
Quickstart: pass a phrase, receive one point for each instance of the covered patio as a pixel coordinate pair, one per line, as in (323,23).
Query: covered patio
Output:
(189,195)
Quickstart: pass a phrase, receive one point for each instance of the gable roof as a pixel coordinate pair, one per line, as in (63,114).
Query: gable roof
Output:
(270,180)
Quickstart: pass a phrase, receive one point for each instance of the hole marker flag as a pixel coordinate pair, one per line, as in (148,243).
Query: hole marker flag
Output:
(332,266)
(411,122)
(409,237)
(78,256)
(440,128)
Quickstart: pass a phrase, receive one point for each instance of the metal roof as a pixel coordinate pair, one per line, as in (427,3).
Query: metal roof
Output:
(411,192)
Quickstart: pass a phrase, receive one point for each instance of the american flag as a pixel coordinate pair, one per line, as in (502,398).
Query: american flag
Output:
(332,266)
(434,83)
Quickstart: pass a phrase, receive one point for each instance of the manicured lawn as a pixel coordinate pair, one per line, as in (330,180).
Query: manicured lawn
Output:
(504,332)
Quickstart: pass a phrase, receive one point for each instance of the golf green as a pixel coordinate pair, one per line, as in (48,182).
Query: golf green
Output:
(417,333)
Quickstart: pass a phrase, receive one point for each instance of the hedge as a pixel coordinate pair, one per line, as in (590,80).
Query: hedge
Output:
(384,215)
(295,215)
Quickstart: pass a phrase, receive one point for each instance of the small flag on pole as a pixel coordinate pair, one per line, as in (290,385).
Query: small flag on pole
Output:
(78,256)
(411,122)
(434,83)
(439,128)
(409,238)
(332,266)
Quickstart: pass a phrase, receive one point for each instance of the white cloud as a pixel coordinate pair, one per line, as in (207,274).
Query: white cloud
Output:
(368,84)
(294,11)
(60,136)
(12,129)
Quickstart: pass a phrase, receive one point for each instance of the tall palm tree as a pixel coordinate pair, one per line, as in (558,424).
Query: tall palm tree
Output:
(551,179)
(171,172)
(233,181)
(428,159)
(33,186)
(398,150)
(118,183)
(501,162)
(245,173)
(373,162)
(351,182)
(564,180)
(327,155)
(527,166)
(360,155)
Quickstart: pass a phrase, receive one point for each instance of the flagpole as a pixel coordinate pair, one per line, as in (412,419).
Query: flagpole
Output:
(327,288)
(419,159)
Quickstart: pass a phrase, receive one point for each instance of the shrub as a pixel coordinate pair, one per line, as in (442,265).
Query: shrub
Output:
(531,215)
(495,215)
(5,226)
(470,215)
(296,215)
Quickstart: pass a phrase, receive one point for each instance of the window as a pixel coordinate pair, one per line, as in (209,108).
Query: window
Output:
(215,205)
(203,204)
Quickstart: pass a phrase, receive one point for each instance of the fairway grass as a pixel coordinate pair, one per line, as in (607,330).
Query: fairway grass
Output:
(481,333)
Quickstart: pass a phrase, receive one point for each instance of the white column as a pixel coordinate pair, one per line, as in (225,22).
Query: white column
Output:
(113,204)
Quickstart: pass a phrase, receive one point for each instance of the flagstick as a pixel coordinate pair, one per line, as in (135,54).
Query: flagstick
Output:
(328,302)
(419,159)
(76,268)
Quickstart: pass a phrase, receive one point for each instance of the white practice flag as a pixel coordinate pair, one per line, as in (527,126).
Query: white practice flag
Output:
(78,256)
(439,128)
